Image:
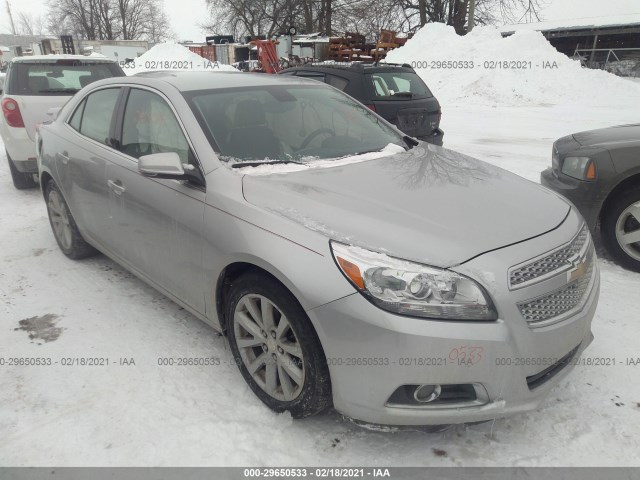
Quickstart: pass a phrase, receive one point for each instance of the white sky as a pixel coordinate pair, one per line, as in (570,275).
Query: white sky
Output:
(184,15)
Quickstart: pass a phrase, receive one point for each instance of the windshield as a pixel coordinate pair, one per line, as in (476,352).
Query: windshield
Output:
(290,123)
(398,85)
(63,77)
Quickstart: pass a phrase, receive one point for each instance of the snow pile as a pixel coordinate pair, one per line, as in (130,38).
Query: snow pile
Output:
(172,56)
(522,69)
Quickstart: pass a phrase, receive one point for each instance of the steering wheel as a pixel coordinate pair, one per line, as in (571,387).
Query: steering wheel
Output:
(314,134)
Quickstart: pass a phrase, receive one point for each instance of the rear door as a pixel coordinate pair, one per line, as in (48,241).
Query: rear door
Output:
(82,162)
(402,98)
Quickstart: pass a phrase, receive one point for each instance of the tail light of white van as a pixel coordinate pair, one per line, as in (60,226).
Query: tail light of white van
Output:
(11,112)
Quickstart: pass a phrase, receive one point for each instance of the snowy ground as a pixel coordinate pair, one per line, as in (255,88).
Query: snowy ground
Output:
(145,414)
(152,415)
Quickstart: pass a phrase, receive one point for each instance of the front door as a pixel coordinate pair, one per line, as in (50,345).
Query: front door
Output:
(157,223)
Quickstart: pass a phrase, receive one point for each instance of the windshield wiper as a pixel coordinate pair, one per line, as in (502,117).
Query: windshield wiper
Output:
(59,90)
(402,94)
(257,163)
(410,141)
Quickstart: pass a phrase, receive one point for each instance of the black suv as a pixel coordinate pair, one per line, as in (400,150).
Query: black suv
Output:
(393,91)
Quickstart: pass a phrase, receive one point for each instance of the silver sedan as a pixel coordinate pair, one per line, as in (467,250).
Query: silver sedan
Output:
(349,265)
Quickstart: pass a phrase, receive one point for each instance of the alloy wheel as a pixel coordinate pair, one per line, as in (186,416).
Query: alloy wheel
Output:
(268,347)
(59,219)
(628,230)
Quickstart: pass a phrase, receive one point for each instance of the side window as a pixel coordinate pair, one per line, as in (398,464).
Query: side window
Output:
(150,126)
(77,117)
(97,114)
(338,82)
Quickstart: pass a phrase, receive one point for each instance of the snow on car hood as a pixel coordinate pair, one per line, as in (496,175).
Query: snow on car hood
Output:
(430,204)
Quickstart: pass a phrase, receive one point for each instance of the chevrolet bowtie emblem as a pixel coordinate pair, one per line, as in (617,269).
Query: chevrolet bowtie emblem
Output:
(579,271)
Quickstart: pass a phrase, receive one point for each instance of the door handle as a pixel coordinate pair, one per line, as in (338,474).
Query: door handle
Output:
(64,157)
(116,187)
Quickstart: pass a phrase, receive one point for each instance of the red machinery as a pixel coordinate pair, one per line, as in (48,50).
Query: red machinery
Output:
(268,56)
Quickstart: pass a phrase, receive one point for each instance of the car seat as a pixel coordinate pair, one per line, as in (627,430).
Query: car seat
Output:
(251,138)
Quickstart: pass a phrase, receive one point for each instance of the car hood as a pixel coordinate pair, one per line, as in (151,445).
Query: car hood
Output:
(608,136)
(430,204)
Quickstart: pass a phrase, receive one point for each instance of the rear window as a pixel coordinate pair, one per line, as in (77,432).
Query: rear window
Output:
(397,86)
(63,77)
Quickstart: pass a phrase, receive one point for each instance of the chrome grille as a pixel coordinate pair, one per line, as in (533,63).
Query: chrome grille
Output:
(551,264)
(562,301)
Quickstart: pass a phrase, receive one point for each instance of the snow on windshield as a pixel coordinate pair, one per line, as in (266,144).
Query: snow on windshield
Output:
(388,150)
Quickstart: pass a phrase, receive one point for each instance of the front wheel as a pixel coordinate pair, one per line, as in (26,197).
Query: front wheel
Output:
(621,229)
(276,348)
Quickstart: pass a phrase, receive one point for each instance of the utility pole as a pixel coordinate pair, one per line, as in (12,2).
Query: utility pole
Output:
(13,27)
(472,8)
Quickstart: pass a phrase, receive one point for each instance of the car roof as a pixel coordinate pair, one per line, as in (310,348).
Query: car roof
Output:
(354,67)
(185,81)
(56,57)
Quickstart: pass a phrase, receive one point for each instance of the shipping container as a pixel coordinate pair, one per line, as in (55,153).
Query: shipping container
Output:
(222,53)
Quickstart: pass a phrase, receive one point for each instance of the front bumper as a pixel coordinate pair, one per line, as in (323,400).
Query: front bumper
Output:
(413,351)
(588,197)
(372,353)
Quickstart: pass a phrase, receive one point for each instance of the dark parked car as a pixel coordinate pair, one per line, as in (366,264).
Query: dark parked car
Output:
(599,171)
(395,92)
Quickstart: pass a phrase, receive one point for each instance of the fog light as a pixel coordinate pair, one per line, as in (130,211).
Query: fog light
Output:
(427,393)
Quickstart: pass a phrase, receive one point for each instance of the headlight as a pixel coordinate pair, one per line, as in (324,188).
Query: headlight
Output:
(408,288)
(582,168)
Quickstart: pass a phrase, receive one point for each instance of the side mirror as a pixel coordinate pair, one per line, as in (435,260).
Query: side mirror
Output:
(161,165)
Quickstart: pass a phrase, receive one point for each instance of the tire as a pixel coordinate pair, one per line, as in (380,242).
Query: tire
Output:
(64,226)
(623,217)
(21,181)
(298,384)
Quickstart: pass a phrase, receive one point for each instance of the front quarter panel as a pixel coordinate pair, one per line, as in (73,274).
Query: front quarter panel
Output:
(626,159)
(236,231)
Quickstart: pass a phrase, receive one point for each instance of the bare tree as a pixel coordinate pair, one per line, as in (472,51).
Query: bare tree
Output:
(157,27)
(30,24)
(110,19)
(268,17)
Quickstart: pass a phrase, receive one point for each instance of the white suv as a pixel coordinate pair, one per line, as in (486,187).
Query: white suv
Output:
(33,85)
